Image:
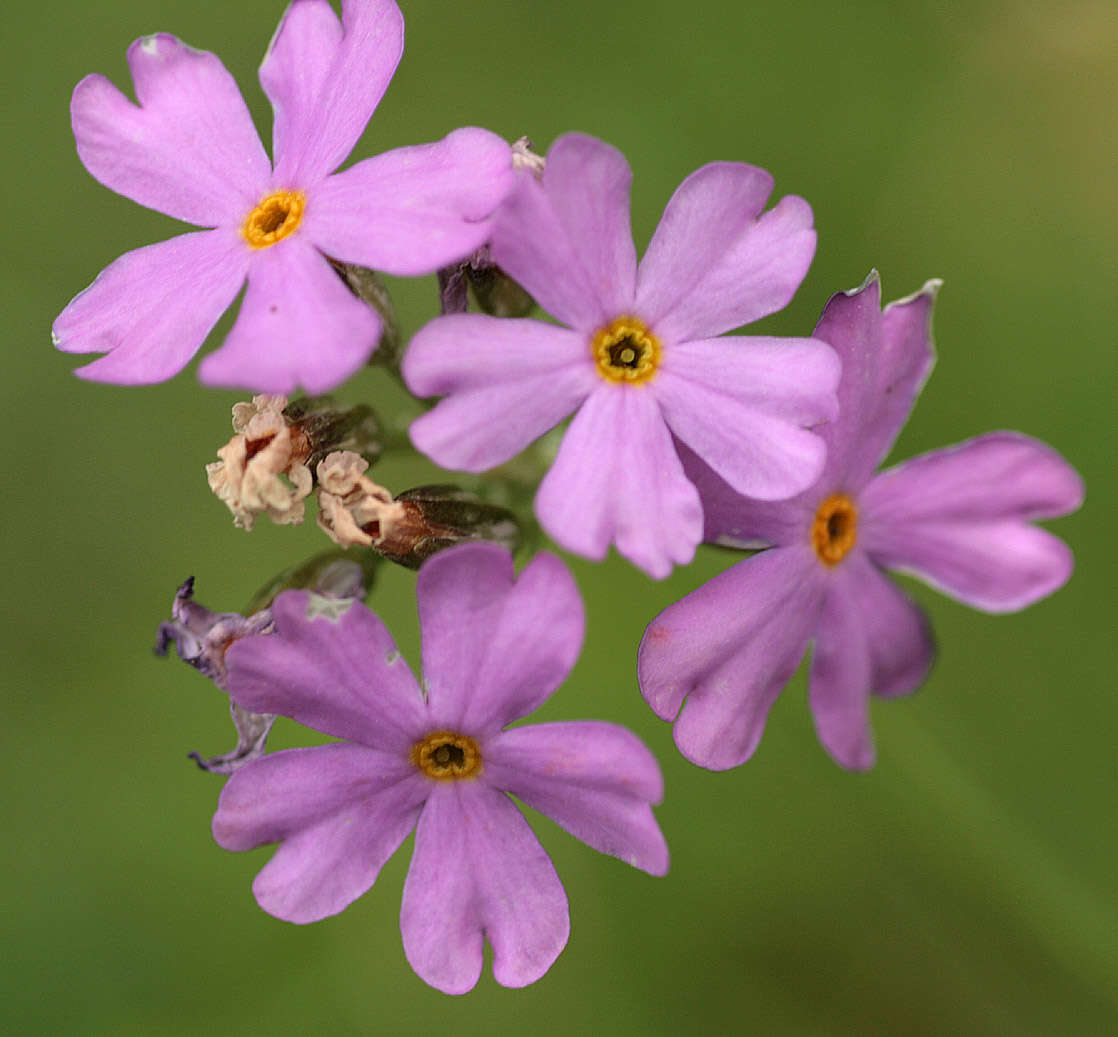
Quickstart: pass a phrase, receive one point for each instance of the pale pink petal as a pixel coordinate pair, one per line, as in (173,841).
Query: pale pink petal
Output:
(756,442)
(152,308)
(959,518)
(340,810)
(410,211)
(618,479)
(495,645)
(594,779)
(479,872)
(587,182)
(189,149)
(529,373)
(715,262)
(299,325)
(902,648)
(332,666)
(841,672)
(324,90)
(729,648)
(532,245)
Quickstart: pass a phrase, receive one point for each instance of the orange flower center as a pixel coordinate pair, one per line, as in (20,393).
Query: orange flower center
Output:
(276,217)
(835,529)
(447,756)
(626,351)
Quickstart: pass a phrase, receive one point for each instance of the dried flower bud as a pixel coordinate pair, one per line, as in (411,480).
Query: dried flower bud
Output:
(263,467)
(352,509)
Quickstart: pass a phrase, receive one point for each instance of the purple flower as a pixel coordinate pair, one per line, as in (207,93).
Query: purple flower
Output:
(189,150)
(959,518)
(638,360)
(494,648)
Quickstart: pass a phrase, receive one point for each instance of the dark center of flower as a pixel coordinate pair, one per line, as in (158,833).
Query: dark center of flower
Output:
(277,216)
(447,756)
(835,529)
(626,351)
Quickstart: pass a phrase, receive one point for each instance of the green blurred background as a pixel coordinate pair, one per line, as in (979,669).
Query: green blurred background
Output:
(966,885)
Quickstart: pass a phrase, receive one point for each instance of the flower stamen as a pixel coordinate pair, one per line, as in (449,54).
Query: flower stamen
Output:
(626,351)
(835,529)
(276,217)
(447,756)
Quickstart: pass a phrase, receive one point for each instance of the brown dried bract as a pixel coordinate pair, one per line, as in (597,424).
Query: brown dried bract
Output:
(263,467)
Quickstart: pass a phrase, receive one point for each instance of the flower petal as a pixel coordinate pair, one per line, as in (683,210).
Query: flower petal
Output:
(152,308)
(839,689)
(958,518)
(742,409)
(298,325)
(533,246)
(901,645)
(594,779)
(714,262)
(341,811)
(587,182)
(886,359)
(729,647)
(189,149)
(331,666)
(508,381)
(495,645)
(617,478)
(324,85)
(410,211)
(478,869)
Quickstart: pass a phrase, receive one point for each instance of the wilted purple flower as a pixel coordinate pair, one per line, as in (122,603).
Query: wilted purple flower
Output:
(494,648)
(959,518)
(638,361)
(189,149)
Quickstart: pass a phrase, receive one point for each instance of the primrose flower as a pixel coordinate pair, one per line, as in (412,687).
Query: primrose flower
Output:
(189,149)
(638,360)
(959,518)
(495,646)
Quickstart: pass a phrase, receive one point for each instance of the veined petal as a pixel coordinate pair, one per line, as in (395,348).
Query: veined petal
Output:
(495,645)
(841,672)
(332,666)
(756,442)
(533,246)
(594,779)
(152,308)
(729,648)
(478,870)
(341,811)
(324,83)
(410,211)
(886,358)
(618,479)
(507,380)
(587,182)
(714,262)
(898,634)
(299,326)
(189,148)
(959,518)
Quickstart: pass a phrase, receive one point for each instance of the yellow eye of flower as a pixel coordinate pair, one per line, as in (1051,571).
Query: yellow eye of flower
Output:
(626,351)
(276,217)
(447,756)
(835,529)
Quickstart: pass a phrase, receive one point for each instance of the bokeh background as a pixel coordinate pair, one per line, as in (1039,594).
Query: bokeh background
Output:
(966,885)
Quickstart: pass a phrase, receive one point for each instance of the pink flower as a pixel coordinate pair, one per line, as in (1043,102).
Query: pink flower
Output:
(438,761)
(960,518)
(189,149)
(638,360)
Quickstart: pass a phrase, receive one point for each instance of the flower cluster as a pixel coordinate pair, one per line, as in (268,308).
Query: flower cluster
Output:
(679,433)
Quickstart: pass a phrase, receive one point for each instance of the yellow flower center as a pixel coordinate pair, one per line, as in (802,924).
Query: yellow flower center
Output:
(835,529)
(626,351)
(276,217)
(447,756)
